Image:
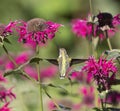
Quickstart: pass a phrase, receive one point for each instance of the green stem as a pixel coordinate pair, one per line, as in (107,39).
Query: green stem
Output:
(102,104)
(108,40)
(40,86)
(10,57)
(16,65)
(90,4)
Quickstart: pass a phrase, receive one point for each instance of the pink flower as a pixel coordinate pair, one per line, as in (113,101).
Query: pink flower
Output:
(88,95)
(81,28)
(2,79)
(7,29)
(47,72)
(113,97)
(37,31)
(102,71)
(19,59)
(9,66)
(116,20)
(102,23)
(5,107)
(106,22)
(51,105)
(81,77)
(22,58)
(31,71)
(6,93)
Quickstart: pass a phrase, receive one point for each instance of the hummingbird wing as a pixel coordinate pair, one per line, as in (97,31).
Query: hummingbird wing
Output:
(53,61)
(77,61)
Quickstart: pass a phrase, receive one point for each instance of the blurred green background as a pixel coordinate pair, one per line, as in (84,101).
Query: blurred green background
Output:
(60,11)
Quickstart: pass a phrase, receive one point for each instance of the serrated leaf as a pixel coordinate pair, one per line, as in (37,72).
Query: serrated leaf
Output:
(35,60)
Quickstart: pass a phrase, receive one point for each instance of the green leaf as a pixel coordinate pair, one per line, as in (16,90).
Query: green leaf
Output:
(97,109)
(35,60)
(7,41)
(55,86)
(115,53)
(12,72)
(113,109)
(64,107)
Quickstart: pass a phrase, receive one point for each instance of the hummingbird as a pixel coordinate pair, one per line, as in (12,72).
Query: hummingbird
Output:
(64,62)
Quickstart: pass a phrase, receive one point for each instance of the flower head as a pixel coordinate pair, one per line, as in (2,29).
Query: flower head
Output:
(106,22)
(88,95)
(81,28)
(102,71)
(6,93)
(113,97)
(7,29)
(5,107)
(2,79)
(80,76)
(37,31)
(47,72)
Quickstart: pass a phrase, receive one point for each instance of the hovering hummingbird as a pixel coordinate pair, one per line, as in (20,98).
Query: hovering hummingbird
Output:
(64,62)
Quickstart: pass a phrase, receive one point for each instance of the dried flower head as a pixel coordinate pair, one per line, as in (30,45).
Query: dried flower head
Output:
(36,31)
(36,24)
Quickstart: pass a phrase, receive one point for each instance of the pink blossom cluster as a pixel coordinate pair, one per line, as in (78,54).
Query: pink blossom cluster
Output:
(102,71)
(36,31)
(6,95)
(102,22)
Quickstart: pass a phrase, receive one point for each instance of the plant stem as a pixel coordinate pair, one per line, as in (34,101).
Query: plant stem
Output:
(108,40)
(102,104)
(10,57)
(90,5)
(16,65)
(40,86)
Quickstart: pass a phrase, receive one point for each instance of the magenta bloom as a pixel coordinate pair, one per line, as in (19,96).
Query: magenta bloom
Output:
(37,31)
(19,59)
(81,77)
(47,72)
(7,29)
(5,107)
(113,97)
(81,28)
(102,71)
(106,22)
(2,79)
(6,93)
(88,95)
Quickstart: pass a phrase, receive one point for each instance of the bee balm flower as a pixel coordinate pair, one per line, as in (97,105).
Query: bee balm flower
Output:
(37,31)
